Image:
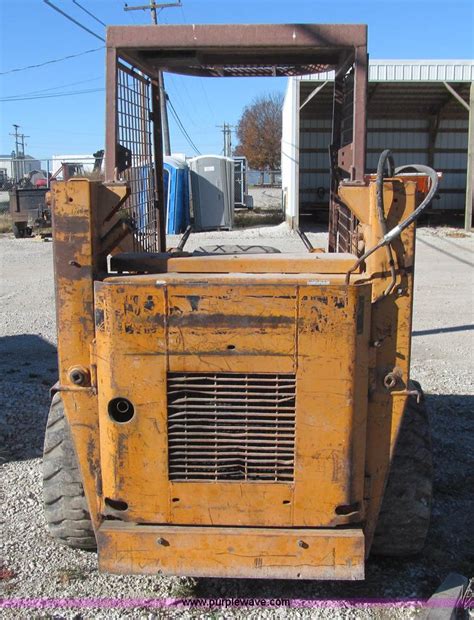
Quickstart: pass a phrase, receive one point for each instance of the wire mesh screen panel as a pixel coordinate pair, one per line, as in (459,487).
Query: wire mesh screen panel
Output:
(347,121)
(231,426)
(134,156)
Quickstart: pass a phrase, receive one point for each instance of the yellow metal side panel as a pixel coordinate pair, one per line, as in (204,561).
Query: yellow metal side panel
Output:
(73,260)
(74,267)
(131,363)
(390,331)
(232,552)
(329,409)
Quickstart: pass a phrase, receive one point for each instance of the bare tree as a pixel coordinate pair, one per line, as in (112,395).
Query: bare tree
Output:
(259,132)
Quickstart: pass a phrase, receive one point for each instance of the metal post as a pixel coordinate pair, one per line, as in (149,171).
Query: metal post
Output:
(359,137)
(470,164)
(164,114)
(111,120)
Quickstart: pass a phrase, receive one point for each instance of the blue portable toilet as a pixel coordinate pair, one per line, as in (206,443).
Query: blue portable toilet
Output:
(176,194)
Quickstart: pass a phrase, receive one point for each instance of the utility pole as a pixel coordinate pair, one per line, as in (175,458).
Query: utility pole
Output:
(22,155)
(153,7)
(227,132)
(22,137)
(16,135)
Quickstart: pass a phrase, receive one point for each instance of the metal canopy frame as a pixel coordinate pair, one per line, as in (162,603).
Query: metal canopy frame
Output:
(235,51)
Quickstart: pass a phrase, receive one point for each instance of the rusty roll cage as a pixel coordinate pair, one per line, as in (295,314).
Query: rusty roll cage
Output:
(136,54)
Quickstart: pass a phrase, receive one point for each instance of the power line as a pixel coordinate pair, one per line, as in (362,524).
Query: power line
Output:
(182,128)
(89,13)
(152,6)
(44,90)
(49,62)
(74,21)
(201,79)
(75,92)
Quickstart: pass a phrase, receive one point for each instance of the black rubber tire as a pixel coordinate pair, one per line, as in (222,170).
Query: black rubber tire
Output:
(19,230)
(406,507)
(65,505)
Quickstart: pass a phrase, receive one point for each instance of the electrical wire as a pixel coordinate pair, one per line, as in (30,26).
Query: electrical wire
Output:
(74,21)
(89,13)
(75,92)
(44,90)
(182,128)
(49,62)
(201,79)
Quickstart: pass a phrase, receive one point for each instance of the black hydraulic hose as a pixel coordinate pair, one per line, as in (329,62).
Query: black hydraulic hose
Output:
(184,238)
(428,198)
(385,160)
(304,239)
(397,230)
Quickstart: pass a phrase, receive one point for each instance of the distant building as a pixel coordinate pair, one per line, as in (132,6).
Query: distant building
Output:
(12,168)
(420,109)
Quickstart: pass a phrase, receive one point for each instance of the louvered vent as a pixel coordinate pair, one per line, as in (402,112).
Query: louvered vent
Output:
(231,427)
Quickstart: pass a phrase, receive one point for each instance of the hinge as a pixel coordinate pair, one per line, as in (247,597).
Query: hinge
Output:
(367,485)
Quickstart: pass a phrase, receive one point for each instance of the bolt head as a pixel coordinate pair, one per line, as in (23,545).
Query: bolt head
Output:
(78,376)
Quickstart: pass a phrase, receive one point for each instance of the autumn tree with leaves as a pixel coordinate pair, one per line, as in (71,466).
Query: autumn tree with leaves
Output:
(259,132)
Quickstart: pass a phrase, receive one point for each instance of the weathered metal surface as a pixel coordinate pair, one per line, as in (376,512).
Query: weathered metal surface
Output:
(232,552)
(132,331)
(224,51)
(217,39)
(27,205)
(231,427)
(255,316)
(80,211)
(148,331)
(163,262)
(390,345)
(267,263)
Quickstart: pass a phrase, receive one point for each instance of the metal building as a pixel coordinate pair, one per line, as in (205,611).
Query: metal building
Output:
(422,110)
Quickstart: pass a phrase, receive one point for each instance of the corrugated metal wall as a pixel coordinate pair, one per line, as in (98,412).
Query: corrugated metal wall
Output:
(315,137)
(409,140)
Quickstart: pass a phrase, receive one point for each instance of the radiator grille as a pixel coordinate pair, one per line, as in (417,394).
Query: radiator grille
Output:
(230,426)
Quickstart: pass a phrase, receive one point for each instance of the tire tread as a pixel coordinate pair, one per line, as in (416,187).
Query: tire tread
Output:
(64,502)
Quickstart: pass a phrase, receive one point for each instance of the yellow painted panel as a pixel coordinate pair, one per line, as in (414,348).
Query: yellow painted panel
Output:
(326,405)
(232,552)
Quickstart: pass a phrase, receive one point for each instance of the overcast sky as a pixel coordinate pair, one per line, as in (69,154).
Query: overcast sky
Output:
(32,33)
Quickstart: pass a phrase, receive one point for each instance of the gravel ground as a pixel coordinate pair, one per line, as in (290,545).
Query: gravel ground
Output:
(35,566)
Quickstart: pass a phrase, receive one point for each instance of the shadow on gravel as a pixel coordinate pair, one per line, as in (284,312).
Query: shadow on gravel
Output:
(28,368)
(448,546)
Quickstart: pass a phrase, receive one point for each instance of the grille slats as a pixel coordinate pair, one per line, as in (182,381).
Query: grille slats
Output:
(226,426)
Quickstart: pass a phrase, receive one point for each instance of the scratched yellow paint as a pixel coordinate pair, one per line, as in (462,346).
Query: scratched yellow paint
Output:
(230,552)
(280,314)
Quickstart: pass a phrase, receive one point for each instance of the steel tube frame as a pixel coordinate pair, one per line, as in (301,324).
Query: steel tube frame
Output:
(203,49)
